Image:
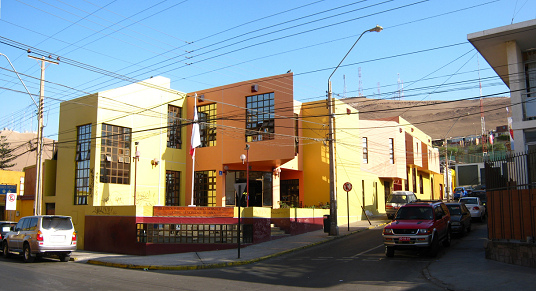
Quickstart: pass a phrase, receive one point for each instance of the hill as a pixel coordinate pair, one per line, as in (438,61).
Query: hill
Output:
(435,118)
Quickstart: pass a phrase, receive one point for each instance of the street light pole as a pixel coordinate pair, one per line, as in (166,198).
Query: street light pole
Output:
(334,228)
(447,188)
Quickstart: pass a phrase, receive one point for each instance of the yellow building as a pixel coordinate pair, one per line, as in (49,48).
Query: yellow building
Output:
(116,149)
(375,156)
(12,182)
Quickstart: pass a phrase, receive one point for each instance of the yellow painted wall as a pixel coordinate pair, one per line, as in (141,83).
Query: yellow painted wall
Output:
(143,107)
(12,178)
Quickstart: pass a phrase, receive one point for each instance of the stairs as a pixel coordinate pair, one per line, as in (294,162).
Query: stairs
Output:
(277,231)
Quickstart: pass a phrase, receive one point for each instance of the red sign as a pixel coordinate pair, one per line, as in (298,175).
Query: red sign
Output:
(347,186)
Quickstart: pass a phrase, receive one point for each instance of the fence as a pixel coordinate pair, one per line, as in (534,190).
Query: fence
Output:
(511,197)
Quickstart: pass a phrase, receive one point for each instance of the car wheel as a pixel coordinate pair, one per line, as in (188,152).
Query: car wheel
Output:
(434,248)
(27,254)
(390,252)
(65,257)
(446,242)
(6,251)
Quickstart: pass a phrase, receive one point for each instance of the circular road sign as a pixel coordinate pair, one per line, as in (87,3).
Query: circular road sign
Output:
(347,186)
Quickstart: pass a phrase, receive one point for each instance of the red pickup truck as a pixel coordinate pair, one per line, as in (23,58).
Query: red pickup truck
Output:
(417,225)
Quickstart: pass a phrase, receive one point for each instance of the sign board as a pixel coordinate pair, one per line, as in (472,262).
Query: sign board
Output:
(347,186)
(11,201)
(4,189)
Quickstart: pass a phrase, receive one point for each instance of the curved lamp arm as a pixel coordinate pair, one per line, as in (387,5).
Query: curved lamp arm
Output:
(20,79)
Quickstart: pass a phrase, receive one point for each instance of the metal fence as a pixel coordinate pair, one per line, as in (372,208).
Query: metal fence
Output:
(511,197)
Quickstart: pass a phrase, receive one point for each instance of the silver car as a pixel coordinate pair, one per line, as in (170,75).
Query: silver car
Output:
(41,235)
(396,200)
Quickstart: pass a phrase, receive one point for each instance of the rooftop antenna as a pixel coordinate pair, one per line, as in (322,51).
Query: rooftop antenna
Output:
(344,81)
(360,90)
(482,120)
(379,94)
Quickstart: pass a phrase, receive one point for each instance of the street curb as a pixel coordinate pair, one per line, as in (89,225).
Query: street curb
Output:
(228,264)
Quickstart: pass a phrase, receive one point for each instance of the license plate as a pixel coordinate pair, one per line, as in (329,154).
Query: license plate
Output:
(58,238)
(404,239)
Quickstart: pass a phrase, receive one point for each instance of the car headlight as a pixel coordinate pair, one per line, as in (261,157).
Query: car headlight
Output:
(423,231)
(388,231)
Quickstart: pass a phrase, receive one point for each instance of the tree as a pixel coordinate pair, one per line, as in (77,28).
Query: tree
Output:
(6,155)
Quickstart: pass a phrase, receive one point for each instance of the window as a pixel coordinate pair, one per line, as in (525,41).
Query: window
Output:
(205,188)
(82,161)
(290,192)
(173,189)
(296,135)
(190,233)
(530,72)
(421,184)
(260,117)
(392,150)
(207,124)
(174,138)
(115,154)
(365,150)
(414,171)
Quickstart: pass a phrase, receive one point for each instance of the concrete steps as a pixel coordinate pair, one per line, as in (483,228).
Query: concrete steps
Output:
(277,231)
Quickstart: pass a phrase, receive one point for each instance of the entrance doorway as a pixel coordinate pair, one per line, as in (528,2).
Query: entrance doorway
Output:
(260,188)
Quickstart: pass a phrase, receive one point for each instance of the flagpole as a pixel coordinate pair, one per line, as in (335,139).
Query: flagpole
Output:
(192,204)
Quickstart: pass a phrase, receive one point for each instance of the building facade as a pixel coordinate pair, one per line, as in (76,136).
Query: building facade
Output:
(511,52)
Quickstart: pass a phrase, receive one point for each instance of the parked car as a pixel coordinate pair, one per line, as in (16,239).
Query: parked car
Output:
(460,218)
(418,225)
(460,192)
(5,227)
(480,194)
(475,206)
(41,235)
(396,200)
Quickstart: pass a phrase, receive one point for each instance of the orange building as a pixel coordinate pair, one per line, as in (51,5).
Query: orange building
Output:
(269,126)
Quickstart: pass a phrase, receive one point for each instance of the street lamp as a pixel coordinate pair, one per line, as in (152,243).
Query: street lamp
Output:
(246,159)
(334,229)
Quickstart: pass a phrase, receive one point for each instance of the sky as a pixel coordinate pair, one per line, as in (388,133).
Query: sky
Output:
(421,54)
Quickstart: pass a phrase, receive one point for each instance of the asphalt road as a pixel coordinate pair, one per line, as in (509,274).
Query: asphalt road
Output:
(356,262)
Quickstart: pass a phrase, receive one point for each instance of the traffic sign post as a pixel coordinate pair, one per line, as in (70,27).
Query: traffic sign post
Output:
(347,187)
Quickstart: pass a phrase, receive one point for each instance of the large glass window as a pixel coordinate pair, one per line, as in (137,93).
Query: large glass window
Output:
(530,72)
(115,154)
(260,117)
(173,188)
(205,188)
(82,172)
(174,139)
(365,150)
(391,150)
(207,124)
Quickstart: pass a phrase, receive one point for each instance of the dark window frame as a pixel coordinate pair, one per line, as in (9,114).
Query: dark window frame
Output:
(174,128)
(82,188)
(115,154)
(260,117)
(173,188)
(206,115)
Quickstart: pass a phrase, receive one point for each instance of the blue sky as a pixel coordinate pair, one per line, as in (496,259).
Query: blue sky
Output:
(203,44)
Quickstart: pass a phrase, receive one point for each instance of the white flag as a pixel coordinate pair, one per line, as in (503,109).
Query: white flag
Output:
(196,137)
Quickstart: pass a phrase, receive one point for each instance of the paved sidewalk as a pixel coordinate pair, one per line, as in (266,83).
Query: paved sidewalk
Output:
(221,258)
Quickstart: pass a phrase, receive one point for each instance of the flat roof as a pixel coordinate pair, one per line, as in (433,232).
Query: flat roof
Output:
(491,44)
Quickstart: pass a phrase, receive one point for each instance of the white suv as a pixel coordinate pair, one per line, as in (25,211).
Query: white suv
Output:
(40,236)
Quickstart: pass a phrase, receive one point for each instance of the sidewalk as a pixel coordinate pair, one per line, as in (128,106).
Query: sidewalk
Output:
(221,258)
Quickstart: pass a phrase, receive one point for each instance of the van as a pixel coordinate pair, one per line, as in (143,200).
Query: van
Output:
(396,200)
(41,235)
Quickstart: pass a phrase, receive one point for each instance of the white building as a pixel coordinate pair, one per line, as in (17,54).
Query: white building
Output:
(511,52)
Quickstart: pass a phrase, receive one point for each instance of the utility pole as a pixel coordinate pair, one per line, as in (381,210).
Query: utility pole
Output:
(39,147)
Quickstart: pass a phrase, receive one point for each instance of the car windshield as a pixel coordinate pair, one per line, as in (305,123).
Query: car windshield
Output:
(458,189)
(455,209)
(59,223)
(397,199)
(469,200)
(408,213)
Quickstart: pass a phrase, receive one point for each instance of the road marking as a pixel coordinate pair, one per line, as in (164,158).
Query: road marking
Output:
(357,255)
